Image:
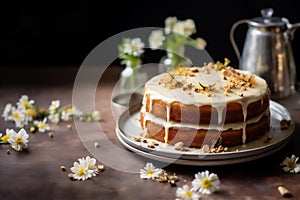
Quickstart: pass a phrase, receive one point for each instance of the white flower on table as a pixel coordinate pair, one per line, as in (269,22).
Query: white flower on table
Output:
(24,102)
(290,164)
(134,47)
(91,164)
(96,115)
(18,140)
(7,111)
(18,116)
(150,172)
(42,125)
(156,39)
(84,169)
(206,183)
(186,193)
(54,117)
(54,105)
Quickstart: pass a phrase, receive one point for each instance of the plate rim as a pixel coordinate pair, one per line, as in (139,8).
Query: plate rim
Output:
(209,156)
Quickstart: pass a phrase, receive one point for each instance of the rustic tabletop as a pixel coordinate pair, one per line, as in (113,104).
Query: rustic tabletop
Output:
(36,173)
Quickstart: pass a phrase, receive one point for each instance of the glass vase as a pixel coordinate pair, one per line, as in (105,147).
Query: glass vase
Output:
(172,59)
(128,91)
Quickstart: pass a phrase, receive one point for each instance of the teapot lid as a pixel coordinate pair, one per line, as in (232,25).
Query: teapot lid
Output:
(267,20)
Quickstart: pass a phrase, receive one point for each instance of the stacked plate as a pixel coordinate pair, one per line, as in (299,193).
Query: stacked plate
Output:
(129,132)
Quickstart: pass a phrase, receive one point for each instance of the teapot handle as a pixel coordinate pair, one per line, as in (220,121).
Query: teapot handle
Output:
(233,43)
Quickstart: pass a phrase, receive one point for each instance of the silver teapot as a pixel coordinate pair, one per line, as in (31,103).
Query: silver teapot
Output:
(267,51)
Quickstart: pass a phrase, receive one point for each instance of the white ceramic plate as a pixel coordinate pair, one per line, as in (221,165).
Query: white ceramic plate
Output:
(129,128)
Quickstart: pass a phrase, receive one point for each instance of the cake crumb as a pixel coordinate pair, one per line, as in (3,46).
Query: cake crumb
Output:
(96,144)
(284,124)
(179,146)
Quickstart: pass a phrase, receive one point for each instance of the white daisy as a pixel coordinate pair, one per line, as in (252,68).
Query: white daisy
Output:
(42,125)
(7,111)
(17,115)
(81,170)
(24,102)
(150,172)
(290,164)
(186,193)
(206,183)
(156,39)
(54,117)
(65,115)
(18,140)
(96,115)
(54,105)
(73,111)
(134,47)
(91,164)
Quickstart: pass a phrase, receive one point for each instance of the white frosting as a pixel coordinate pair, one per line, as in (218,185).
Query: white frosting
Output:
(162,88)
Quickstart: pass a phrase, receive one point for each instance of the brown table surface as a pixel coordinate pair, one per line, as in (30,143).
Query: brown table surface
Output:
(36,174)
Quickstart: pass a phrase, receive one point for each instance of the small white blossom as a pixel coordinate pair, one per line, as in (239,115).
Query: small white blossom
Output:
(156,39)
(150,172)
(18,116)
(186,193)
(84,169)
(186,27)
(7,111)
(54,117)
(201,43)
(96,115)
(24,102)
(91,164)
(206,183)
(18,140)
(42,125)
(73,111)
(65,116)
(54,105)
(290,164)
(134,47)
(169,24)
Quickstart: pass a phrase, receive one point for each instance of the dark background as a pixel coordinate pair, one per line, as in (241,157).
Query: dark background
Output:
(49,33)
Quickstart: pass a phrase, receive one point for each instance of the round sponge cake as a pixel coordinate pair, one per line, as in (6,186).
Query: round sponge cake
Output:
(202,105)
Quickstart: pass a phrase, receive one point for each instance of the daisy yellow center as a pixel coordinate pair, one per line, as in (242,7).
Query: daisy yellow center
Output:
(206,183)
(81,172)
(19,141)
(292,165)
(54,105)
(25,104)
(150,173)
(134,47)
(70,110)
(188,193)
(30,112)
(16,115)
(42,125)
